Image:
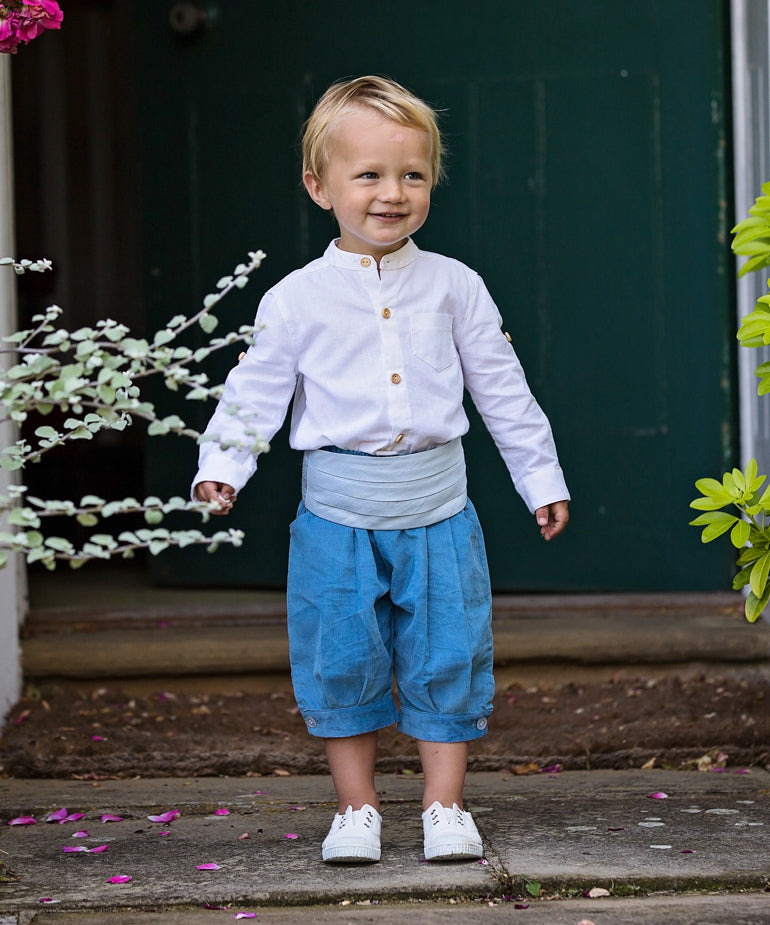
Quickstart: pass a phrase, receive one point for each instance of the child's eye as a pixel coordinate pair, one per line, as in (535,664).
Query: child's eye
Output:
(368,175)
(414,175)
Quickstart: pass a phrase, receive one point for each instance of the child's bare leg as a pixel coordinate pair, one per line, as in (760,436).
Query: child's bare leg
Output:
(443,765)
(351,761)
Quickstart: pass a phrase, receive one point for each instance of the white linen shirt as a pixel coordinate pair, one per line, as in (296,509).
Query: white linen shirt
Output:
(377,362)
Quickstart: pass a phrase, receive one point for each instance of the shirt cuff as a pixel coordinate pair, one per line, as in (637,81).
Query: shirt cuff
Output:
(542,488)
(224,470)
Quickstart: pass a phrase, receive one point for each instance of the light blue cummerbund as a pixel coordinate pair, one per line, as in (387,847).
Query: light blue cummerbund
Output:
(385,492)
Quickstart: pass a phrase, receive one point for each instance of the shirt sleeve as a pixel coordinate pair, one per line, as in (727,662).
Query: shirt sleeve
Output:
(253,405)
(496,382)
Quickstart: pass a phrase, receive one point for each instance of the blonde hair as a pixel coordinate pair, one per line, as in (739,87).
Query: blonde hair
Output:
(383,95)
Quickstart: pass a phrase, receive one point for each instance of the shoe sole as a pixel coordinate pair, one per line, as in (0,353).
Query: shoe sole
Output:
(350,855)
(459,851)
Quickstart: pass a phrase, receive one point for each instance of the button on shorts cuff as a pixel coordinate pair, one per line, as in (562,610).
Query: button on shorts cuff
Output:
(438,727)
(350,721)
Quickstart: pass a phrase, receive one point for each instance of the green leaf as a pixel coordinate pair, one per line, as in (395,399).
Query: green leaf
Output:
(759,573)
(755,605)
(740,533)
(87,520)
(153,516)
(208,322)
(715,522)
(163,337)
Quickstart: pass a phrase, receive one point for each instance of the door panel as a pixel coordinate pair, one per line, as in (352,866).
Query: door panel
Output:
(586,159)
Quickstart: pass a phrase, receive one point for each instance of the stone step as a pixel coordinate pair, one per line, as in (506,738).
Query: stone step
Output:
(536,636)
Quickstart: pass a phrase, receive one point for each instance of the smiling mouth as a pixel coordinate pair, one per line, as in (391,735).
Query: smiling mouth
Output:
(391,215)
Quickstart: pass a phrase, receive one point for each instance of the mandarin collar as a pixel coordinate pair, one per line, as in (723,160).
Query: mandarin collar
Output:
(400,258)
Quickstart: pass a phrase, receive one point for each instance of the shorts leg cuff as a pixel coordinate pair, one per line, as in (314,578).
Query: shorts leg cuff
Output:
(350,721)
(438,727)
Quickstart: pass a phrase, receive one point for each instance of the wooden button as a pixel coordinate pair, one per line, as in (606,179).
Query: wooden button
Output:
(399,438)
(365,262)
(395,378)
(386,313)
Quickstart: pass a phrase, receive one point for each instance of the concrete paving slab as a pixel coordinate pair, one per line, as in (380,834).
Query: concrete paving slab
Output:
(570,832)
(751,909)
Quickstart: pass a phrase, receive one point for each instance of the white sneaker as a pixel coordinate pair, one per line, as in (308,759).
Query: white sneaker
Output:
(450,834)
(354,836)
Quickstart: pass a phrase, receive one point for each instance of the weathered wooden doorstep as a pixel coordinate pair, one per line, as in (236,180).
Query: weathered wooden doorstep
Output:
(536,636)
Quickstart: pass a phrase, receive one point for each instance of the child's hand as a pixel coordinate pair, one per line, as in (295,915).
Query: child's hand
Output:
(220,492)
(552,519)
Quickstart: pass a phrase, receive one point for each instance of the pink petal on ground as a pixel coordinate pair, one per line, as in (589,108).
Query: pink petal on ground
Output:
(208,867)
(222,812)
(551,769)
(47,899)
(97,738)
(108,817)
(69,850)
(244,836)
(81,834)
(100,849)
(259,793)
(166,817)
(23,820)
(74,817)
(164,833)
(59,816)
(245,915)
(291,835)
(120,878)
(687,851)
(742,771)
(658,795)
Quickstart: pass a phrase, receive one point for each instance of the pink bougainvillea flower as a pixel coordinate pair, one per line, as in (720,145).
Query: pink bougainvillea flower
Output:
(208,867)
(108,817)
(23,820)
(222,812)
(120,878)
(27,22)
(658,795)
(291,835)
(166,817)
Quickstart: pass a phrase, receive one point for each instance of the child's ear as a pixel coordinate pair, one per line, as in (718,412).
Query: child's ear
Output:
(316,190)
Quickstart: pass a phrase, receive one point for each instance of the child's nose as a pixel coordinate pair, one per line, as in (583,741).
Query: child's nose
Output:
(392,191)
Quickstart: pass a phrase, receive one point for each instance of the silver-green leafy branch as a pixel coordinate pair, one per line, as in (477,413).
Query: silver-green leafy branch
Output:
(93,377)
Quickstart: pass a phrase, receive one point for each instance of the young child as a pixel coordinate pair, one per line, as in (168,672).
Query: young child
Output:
(375,342)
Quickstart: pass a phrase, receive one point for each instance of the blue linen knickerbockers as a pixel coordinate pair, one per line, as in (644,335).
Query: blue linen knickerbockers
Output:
(363,604)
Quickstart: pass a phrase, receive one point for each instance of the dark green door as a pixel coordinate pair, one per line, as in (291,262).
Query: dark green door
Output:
(587,152)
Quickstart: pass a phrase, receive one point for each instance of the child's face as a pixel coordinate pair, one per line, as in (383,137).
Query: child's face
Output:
(377,182)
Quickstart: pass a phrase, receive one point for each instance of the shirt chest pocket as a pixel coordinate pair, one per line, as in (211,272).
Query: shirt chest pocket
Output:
(432,340)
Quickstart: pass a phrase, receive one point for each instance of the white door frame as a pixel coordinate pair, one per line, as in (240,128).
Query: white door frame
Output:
(13,578)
